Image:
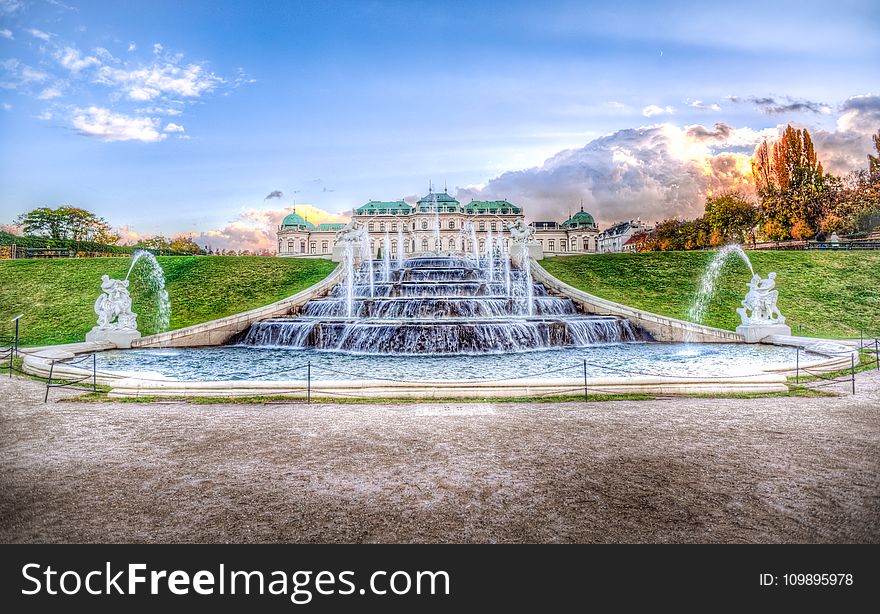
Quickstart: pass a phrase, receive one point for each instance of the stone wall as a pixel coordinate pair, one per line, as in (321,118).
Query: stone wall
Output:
(218,332)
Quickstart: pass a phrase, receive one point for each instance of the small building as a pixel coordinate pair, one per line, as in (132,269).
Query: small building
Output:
(614,238)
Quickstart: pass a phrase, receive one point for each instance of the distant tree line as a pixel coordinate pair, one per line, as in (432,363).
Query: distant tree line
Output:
(796,200)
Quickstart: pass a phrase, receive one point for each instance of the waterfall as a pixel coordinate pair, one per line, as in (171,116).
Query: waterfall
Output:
(439,305)
(154,277)
(490,255)
(506,255)
(400,246)
(475,247)
(367,260)
(386,258)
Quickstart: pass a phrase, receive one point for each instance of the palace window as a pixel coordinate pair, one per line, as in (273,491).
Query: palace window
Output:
(452,224)
(371,227)
(503,211)
(290,247)
(551,244)
(393,227)
(482,225)
(586,244)
(325,247)
(562,244)
(424,225)
(313,248)
(451,244)
(393,246)
(574,244)
(494,226)
(382,227)
(302,247)
(424,245)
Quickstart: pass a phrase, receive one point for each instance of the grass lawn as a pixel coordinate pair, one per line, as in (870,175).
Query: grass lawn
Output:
(824,294)
(57,296)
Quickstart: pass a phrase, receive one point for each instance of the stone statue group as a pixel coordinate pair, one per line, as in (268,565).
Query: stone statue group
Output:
(759,305)
(115,304)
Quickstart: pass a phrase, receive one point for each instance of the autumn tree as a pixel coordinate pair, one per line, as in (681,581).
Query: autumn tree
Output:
(730,217)
(186,245)
(789,179)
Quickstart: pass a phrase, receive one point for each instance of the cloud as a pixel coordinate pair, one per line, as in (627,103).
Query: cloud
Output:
(132,47)
(157,48)
(160,111)
(160,79)
(699,104)
(16,74)
(847,147)
(10,7)
(785,104)
(7,106)
(43,36)
(654,172)
(652,110)
(7,34)
(255,229)
(49,93)
(274,194)
(108,126)
(61,5)
(45,115)
(172,127)
(71,59)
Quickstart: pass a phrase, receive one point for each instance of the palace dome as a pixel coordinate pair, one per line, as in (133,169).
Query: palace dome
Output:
(581,219)
(294,221)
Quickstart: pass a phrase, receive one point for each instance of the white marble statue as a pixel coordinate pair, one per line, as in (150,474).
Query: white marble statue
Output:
(115,304)
(520,232)
(353,231)
(759,305)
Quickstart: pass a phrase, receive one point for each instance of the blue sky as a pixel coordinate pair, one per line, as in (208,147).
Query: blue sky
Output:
(169,117)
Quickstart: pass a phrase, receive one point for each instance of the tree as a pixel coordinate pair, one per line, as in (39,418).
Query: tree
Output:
(790,181)
(731,217)
(157,243)
(874,161)
(186,245)
(67,223)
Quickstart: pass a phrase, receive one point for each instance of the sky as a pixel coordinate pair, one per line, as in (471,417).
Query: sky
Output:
(214,119)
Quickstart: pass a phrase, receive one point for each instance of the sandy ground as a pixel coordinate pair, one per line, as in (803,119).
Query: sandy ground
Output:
(677,470)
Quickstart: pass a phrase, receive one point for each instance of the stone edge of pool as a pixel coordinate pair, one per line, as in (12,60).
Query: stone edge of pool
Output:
(835,356)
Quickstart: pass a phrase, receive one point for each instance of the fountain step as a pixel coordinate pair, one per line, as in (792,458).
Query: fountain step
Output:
(440,337)
(438,307)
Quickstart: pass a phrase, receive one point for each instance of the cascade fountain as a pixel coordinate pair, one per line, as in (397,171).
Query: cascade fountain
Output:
(400,247)
(438,305)
(710,278)
(472,237)
(490,256)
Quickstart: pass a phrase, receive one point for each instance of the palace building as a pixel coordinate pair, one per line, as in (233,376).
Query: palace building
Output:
(414,228)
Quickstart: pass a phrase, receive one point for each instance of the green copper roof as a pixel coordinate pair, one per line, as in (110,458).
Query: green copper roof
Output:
(330,226)
(439,198)
(295,221)
(579,220)
(375,206)
(491,206)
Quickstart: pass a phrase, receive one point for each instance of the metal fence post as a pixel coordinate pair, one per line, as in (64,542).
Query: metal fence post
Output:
(585,381)
(852,371)
(877,353)
(797,365)
(94,374)
(49,382)
(309,384)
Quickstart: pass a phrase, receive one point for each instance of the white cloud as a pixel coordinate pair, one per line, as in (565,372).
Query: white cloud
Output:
(131,47)
(157,48)
(846,147)
(10,7)
(652,109)
(43,36)
(49,93)
(151,82)
(71,59)
(17,74)
(160,111)
(109,126)
(7,106)
(45,115)
(6,33)
(172,127)
(699,104)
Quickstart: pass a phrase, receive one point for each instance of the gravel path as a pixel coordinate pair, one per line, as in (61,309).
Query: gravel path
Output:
(677,470)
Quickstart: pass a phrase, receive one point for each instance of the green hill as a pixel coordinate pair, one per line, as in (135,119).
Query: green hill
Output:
(825,294)
(57,296)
